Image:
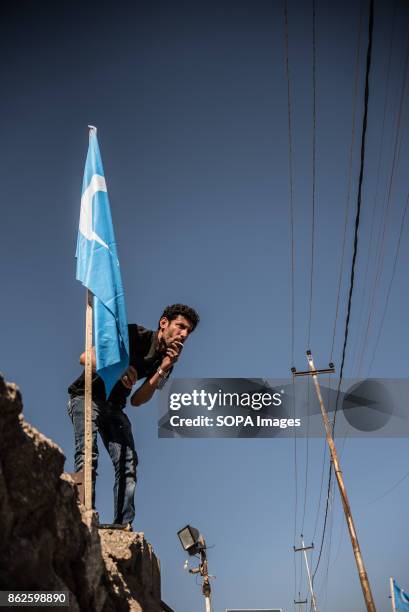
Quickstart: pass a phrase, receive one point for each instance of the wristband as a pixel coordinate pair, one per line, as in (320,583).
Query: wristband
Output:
(163,376)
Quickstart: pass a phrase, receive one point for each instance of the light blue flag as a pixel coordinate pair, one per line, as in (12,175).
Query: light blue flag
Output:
(401,599)
(98,270)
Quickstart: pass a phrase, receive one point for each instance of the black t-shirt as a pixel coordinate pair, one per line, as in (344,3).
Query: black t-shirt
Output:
(144,356)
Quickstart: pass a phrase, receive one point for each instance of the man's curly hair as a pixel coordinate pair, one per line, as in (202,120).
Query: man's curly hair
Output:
(171,312)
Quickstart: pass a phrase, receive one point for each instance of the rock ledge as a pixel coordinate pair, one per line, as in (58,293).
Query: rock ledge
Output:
(49,542)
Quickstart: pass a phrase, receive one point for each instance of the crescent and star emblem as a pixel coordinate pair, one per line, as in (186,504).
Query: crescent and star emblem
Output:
(97,183)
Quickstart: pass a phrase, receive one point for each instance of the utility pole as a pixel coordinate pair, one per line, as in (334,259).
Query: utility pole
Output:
(300,602)
(363,577)
(304,550)
(193,543)
(203,571)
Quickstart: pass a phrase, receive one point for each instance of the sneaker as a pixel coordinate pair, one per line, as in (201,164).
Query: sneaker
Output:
(121,526)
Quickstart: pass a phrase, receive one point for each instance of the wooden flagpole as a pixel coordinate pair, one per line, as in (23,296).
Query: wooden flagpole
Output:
(392,595)
(88,404)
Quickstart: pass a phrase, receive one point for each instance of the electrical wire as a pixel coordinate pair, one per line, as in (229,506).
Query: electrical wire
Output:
(351,151)
(290,169)
(364,126)
(378,173)
(379,265)
(392,488)
(359,202)
(314,121)
(306,459)
(321,488)
(322,472)
(390,283)
(358,358)
(295,494)
(325,522)
(331,530)
(291,222)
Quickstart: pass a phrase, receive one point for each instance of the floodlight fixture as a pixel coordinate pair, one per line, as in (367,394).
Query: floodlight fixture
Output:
(190,539)
(193,543)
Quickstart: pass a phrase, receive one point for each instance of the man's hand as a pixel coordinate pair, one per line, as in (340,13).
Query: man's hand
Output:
(172,354)
(93,359)
(129,378)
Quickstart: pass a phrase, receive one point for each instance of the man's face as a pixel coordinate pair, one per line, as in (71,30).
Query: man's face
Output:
(177,329)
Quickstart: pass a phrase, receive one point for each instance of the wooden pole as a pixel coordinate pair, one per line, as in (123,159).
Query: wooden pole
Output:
(304,549)
(88,404)
(392,595)
(366,589)
(313,601)
(300,602)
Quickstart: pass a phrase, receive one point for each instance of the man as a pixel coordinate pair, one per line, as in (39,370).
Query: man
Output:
(152,356)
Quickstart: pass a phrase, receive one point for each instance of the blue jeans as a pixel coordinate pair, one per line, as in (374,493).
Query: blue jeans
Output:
(115,430)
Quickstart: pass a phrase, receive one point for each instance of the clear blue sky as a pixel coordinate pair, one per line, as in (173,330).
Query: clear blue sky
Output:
(190,100)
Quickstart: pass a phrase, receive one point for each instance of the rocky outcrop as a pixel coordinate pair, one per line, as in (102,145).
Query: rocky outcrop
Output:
(132,572)
(49,542)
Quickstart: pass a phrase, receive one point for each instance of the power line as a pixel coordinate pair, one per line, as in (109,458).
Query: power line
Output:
(290,169)
(331,530)
(395,164)
(355,95)
(351,150)
(324,578)
(391,488)
(321,488)
(291,220)
(354,98)
(312,245)
(388,204)
(391,283)
(313,166)
(364,126)
(325,522)
(359,201)
(306,461)
(295,496)
(378,174)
